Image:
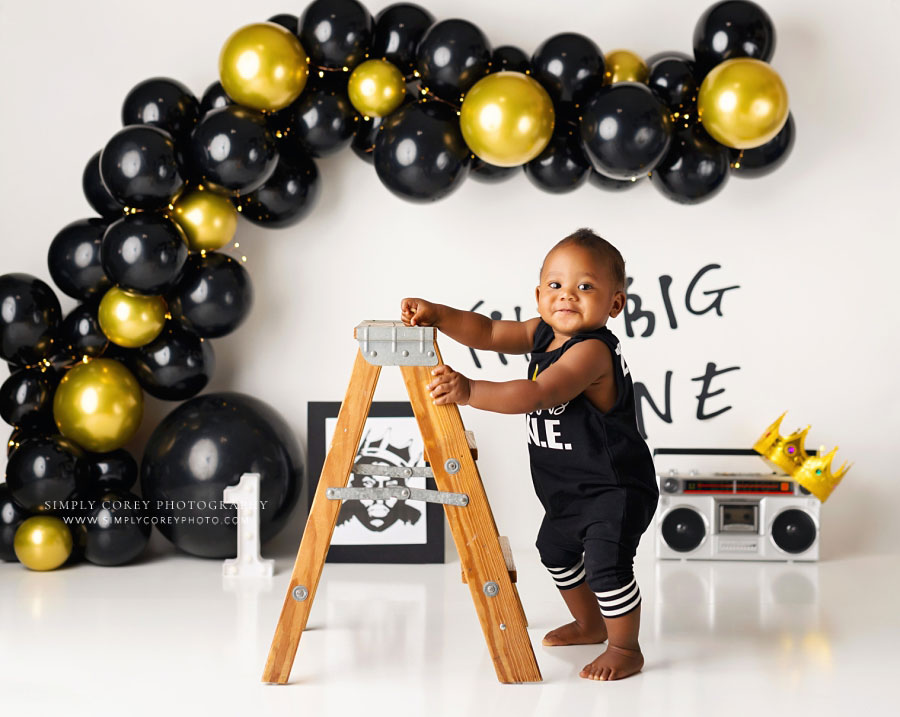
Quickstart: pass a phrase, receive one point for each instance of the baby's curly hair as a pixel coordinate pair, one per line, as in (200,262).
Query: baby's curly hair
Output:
(605,251)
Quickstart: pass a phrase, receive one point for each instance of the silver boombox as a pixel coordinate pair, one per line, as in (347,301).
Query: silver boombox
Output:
(714,506)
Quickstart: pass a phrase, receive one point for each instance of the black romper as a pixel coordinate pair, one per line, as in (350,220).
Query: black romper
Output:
(594,475)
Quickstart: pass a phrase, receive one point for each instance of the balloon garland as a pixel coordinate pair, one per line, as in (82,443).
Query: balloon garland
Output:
(427,103)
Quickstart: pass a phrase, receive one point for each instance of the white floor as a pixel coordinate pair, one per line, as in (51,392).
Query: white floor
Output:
(168,636)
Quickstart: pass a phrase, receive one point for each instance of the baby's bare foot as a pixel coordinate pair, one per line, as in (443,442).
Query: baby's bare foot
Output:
(614,664)
(575,634)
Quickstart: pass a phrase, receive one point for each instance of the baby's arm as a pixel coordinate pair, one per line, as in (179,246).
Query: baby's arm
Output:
(471,329)
(577,369)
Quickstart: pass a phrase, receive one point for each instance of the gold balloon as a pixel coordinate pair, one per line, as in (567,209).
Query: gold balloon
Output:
(43,542)
(376,88)
(742,103)
(507,119)
(263,66)
(99,405)
(624,66)
(209,221)
(131,320)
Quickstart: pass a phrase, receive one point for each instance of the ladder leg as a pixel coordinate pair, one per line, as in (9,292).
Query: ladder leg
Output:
(322,519)
(474,532)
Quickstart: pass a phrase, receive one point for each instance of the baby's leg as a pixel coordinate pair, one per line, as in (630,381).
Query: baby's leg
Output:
(587,628)
(563,556)
(611,578)
(623,656)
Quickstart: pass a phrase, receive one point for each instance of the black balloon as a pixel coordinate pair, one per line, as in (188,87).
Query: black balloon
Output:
(27,393)
(144,253)
(202,447)
(138,166)
(625,129)
(214,98)
(335,33)
(43,470)
(760,161)
(175,366)
(74,259)
(489,173)
(287,21)
(12,515)
(29,319)
(694,170)
(452,56)
(420,154)
(367,129)
(288,195)
(733,28)
(563,165)
(232,150)
(164,103)
(569,66)
(40,427)
(116,528)
(213,296)
(116,470)
(321,121)
(612,185)
(672,80)
(80,334)
(398,30)
(96,193)
(508,58)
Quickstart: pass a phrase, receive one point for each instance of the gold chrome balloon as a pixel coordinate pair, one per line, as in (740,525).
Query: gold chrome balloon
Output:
(624,66)
(263,66)
(209,221)
(131,320)
(43,542)
(742,103)
(376,88)
(99,405)
(507,119)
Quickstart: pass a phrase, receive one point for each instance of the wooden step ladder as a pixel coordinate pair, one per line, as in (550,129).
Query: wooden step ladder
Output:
(448,451)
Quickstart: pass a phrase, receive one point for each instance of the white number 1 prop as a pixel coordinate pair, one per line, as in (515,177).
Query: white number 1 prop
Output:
(248,563)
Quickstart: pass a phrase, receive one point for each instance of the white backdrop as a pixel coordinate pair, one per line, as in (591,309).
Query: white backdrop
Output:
(812,247)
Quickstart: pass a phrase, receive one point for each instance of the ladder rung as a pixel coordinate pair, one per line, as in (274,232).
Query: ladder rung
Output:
(473,449)
(507,558)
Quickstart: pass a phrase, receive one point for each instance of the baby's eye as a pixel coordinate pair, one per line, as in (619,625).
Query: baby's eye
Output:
(585,287)
(554,284)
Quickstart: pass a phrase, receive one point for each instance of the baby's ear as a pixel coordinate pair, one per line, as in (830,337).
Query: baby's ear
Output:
(618,304)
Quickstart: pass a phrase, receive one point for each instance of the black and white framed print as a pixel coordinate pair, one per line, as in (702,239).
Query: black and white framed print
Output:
(379,531)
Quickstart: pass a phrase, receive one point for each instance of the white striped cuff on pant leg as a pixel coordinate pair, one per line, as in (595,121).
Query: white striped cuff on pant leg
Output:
(566,578)
(614,603)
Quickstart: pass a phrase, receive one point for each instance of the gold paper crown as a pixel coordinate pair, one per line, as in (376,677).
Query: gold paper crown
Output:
(788,454)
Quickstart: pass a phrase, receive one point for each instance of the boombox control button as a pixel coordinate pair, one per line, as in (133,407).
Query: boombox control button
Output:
(670,485)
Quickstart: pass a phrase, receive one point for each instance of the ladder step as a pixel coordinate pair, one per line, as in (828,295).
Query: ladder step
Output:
(473,449)
(507,558)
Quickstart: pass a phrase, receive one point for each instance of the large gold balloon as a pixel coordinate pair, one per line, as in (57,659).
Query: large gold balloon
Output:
(507,119)
(131,320)
(624,66)
(742,103)
(42,542)
(263,66)
(99,405)
(209,221)
(376,88)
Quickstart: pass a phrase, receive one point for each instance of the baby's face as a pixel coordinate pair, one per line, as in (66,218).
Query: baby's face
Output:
(577,291)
